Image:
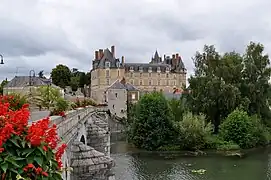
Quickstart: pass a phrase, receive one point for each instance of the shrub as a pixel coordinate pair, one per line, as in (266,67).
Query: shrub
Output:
(152,125)
(61,105)
(193,132)
(16,101)
(28,152)
(243,130)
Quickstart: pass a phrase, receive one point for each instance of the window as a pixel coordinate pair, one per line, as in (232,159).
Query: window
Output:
(118,64)
(107,64)
(167,68)
(174,83)
(107,74)
(132,81)
(108,81)
(158,74)
(149,74)
(131,68)
(158,83)
(140,83)
(167,82)
(133,96)
(158,69)
(116,94)
(131,74)
(140,74)
(140,69)
(149,82)
(174,76)
(167,75)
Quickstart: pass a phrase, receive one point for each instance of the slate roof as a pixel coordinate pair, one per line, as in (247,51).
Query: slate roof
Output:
(118,85)
(23,81)
(107,57)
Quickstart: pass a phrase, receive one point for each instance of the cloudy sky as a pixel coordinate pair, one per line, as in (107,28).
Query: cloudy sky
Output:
(39,34)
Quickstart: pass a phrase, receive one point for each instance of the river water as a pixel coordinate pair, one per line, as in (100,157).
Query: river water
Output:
(131,165)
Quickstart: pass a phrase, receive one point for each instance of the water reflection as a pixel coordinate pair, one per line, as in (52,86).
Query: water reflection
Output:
(132,165)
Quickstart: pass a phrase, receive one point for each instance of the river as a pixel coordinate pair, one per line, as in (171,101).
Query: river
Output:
(131,165)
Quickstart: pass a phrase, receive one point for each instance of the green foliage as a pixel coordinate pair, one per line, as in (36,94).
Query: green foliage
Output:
(152,126)
(61,105)
(61,76)
(243,130)
(17,101)
(74,83)
(224,82)
(46,96)
(14,160)
(178,108)
(193,132)
(3,83)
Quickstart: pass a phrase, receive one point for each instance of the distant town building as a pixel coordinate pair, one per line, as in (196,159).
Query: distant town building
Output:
(24,85)
(166,75)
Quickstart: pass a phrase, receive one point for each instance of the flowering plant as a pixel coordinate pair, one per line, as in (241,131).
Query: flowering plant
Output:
(27,152)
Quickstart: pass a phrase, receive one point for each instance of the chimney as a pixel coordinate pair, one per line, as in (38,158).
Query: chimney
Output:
(123,81)
(96,55)
(177,55)
(113,51)
(101,53)
(177,59)
(173,62)
(122,60)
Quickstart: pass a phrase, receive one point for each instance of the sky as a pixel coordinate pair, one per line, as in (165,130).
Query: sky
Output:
(39,34)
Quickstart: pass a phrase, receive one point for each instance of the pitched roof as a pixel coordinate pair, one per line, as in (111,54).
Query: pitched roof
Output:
(23,81)
(118,85)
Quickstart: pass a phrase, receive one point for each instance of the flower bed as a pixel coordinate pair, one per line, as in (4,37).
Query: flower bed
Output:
(27,152)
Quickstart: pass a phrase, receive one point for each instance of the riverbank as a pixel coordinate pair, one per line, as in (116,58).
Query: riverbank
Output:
(134,164)
(128,148)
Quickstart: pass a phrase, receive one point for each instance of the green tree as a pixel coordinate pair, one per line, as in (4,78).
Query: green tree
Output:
(178,107)
(61,76)
(88,78)
(152,126)
(82,79)
(255,86)
(3,83)
(213,88)
(41,74)
(46,97)
(74,83)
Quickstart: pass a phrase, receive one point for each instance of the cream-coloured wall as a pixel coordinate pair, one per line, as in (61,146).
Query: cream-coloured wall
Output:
(101,79)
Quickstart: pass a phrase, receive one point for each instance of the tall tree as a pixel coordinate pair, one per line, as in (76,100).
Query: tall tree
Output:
(74,83)
(88,78)
(256,75)
(82,79)
(211,92)
(61,76)
(41,74)
(3,83)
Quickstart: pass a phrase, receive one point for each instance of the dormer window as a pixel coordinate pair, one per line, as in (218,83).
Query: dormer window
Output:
(118,64)
(150,69)
(141,69)
(131,68)
(107,64)
(158,69)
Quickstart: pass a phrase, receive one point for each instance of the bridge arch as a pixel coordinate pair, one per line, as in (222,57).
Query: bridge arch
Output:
(82,139)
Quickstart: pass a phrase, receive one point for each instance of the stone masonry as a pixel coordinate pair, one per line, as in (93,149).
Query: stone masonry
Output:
(88,138)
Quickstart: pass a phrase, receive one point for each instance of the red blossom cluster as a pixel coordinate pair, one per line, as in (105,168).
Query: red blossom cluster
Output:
(62,114)
(39,134)
(38,170)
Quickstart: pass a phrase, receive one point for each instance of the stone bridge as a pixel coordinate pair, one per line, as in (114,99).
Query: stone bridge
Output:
(87,135)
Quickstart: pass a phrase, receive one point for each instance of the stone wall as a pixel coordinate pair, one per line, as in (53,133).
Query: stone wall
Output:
(88,140)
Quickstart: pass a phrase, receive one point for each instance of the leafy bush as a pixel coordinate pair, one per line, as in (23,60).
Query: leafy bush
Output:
(16,101)
(152,126)
(228,146)
(28,152)
(243,130)
(61,105)
(193,132)
(178,109)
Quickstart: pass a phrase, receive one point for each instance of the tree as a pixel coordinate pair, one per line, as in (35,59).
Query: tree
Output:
(152,125)
(255,86)
(82,79)
(214,89)
(41,74)
(46,96)
(74,83)
(88,79)
(3,83)
(61,75)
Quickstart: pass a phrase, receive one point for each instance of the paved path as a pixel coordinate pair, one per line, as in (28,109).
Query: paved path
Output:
(36,115)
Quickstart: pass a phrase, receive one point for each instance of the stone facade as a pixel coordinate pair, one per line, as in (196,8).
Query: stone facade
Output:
(163,75)
(89,159)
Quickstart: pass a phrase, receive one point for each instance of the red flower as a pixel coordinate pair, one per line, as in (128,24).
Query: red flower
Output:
(45,174)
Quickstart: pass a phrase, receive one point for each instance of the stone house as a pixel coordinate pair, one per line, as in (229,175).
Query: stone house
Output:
(159,74)
(118,95)
(24,85)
